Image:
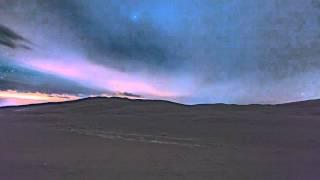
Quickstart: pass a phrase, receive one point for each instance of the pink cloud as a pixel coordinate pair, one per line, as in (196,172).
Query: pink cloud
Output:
(101,77)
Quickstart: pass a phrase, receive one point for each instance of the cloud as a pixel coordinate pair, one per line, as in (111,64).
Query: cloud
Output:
(11,39)
(15,76)
(210,51)
(105,79)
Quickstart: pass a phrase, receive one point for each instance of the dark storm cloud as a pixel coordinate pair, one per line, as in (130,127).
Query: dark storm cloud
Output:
(11,39)
(109,29)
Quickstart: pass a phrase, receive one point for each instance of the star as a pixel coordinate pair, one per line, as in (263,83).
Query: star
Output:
(134,18)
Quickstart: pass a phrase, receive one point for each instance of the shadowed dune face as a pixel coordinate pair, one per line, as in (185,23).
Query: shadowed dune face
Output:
(105,138)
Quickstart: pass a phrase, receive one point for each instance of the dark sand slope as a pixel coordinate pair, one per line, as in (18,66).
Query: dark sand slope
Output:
(115,138)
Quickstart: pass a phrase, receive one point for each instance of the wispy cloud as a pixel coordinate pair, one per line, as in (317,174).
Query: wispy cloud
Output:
(101,77)
(11,39)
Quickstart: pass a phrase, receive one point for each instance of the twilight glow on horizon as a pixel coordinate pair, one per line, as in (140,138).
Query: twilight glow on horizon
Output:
(187,51)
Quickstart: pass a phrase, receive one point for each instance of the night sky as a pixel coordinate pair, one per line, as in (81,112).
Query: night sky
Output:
(187,51)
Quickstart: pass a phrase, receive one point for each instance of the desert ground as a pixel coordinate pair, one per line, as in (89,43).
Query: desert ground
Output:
(113,138)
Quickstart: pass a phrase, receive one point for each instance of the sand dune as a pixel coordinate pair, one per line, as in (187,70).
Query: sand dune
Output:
(114,138)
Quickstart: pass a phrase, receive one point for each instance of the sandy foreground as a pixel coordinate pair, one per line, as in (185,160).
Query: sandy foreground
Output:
(112,138)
